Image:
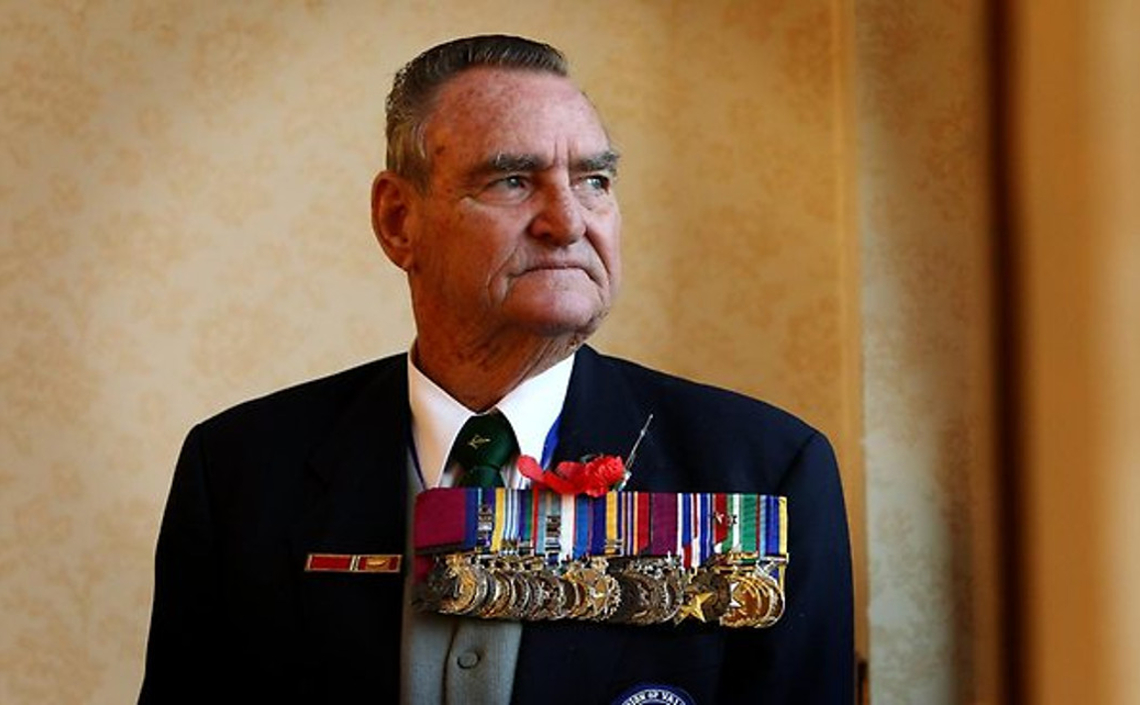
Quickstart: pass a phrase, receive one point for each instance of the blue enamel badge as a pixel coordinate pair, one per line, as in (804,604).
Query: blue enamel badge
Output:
(654,694)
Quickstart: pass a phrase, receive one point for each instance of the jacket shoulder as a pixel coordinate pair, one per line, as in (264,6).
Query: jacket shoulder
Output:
(302,410)
(700,437)
(711,404)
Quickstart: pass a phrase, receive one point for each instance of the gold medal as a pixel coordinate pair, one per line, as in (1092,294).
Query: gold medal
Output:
(456,585)
(597,592)
(522,594)
(673,579)
(548,594)
(748,602)
(706,597)
(499,598)
(651,591)
(636,604)
(775,597)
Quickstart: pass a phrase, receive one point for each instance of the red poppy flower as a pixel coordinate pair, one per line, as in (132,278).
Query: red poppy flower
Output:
(595,477)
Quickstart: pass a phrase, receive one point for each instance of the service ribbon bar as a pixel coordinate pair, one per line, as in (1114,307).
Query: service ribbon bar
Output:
(627,557)
(351,563)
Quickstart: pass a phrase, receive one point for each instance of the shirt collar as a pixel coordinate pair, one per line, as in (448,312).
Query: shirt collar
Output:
(532,408)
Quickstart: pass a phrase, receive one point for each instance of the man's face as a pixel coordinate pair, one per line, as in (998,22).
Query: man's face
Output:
(518,231)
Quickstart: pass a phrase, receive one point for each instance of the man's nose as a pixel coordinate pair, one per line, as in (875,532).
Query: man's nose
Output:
(559,219)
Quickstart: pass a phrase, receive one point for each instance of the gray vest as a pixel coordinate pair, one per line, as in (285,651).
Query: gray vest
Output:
(453,660)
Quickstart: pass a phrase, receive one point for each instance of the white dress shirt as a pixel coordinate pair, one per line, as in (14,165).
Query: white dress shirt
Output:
(531,408)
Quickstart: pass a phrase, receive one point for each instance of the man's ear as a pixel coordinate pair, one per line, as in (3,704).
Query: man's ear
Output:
(391,201)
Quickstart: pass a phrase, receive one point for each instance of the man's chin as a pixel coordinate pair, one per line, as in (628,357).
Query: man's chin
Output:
(561,319)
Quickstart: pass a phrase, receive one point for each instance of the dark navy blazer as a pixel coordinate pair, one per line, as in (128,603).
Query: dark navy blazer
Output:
(322,467)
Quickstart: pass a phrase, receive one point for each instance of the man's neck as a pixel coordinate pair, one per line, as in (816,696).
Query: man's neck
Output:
(479,377)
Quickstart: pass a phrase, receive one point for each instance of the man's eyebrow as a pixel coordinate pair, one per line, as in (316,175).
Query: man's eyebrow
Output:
(515,162)
(606,161)
(504,163)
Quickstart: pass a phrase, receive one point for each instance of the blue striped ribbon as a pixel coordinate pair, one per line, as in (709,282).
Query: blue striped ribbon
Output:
(582,526)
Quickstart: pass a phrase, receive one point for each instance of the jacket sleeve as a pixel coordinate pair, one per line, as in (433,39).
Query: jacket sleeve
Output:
(181,658)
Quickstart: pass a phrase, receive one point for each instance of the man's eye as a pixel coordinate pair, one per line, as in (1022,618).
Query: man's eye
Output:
(508,189)
(510,182)
(594,188)
(596,182)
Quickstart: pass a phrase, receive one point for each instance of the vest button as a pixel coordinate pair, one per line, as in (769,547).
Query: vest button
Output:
(468,659)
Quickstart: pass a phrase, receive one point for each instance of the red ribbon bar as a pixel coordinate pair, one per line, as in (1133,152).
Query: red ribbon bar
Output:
(441,521)
(642,543)
(350,563)
(329,562)
(720,515)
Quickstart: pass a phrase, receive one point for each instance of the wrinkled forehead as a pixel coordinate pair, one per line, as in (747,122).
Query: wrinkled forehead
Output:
(483,112)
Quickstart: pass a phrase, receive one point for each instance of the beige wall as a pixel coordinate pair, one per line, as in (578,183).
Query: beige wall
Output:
(925,227)
(183,224)
(183,194)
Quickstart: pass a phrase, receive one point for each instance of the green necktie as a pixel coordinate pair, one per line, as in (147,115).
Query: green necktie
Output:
(484,445)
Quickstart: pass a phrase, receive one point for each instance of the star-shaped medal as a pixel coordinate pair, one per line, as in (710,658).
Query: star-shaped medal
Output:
(694,606)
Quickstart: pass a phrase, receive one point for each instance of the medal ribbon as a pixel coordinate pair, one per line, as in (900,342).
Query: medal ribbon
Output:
(708,526)
(692,526)
(628,501)
(748,511)
(499,527)
(552,527)
(720,507)
(526,522)
(471,520)
(663,523)
(598,510)
(567,535)
(485,517)
(643,515)
(783,530)
(734,530)
(613,522)
(582,525)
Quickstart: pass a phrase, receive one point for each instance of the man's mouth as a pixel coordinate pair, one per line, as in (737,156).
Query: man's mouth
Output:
(552,266)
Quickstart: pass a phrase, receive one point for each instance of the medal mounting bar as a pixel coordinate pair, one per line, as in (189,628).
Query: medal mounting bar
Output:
(625,557)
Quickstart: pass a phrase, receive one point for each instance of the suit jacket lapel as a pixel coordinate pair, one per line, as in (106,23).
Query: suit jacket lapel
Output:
(603,415)
(599,415)
(358,479)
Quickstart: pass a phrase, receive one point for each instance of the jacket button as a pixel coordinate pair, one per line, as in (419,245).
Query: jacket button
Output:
(468,659)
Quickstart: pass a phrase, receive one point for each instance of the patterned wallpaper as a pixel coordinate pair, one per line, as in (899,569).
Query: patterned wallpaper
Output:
(184,224)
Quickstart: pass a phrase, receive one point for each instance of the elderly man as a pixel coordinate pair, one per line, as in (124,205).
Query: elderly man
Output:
(498,203)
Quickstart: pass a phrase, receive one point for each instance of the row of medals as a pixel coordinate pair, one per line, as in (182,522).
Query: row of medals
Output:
(734,590)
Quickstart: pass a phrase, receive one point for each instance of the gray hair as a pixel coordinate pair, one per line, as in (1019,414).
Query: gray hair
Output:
(416,85)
